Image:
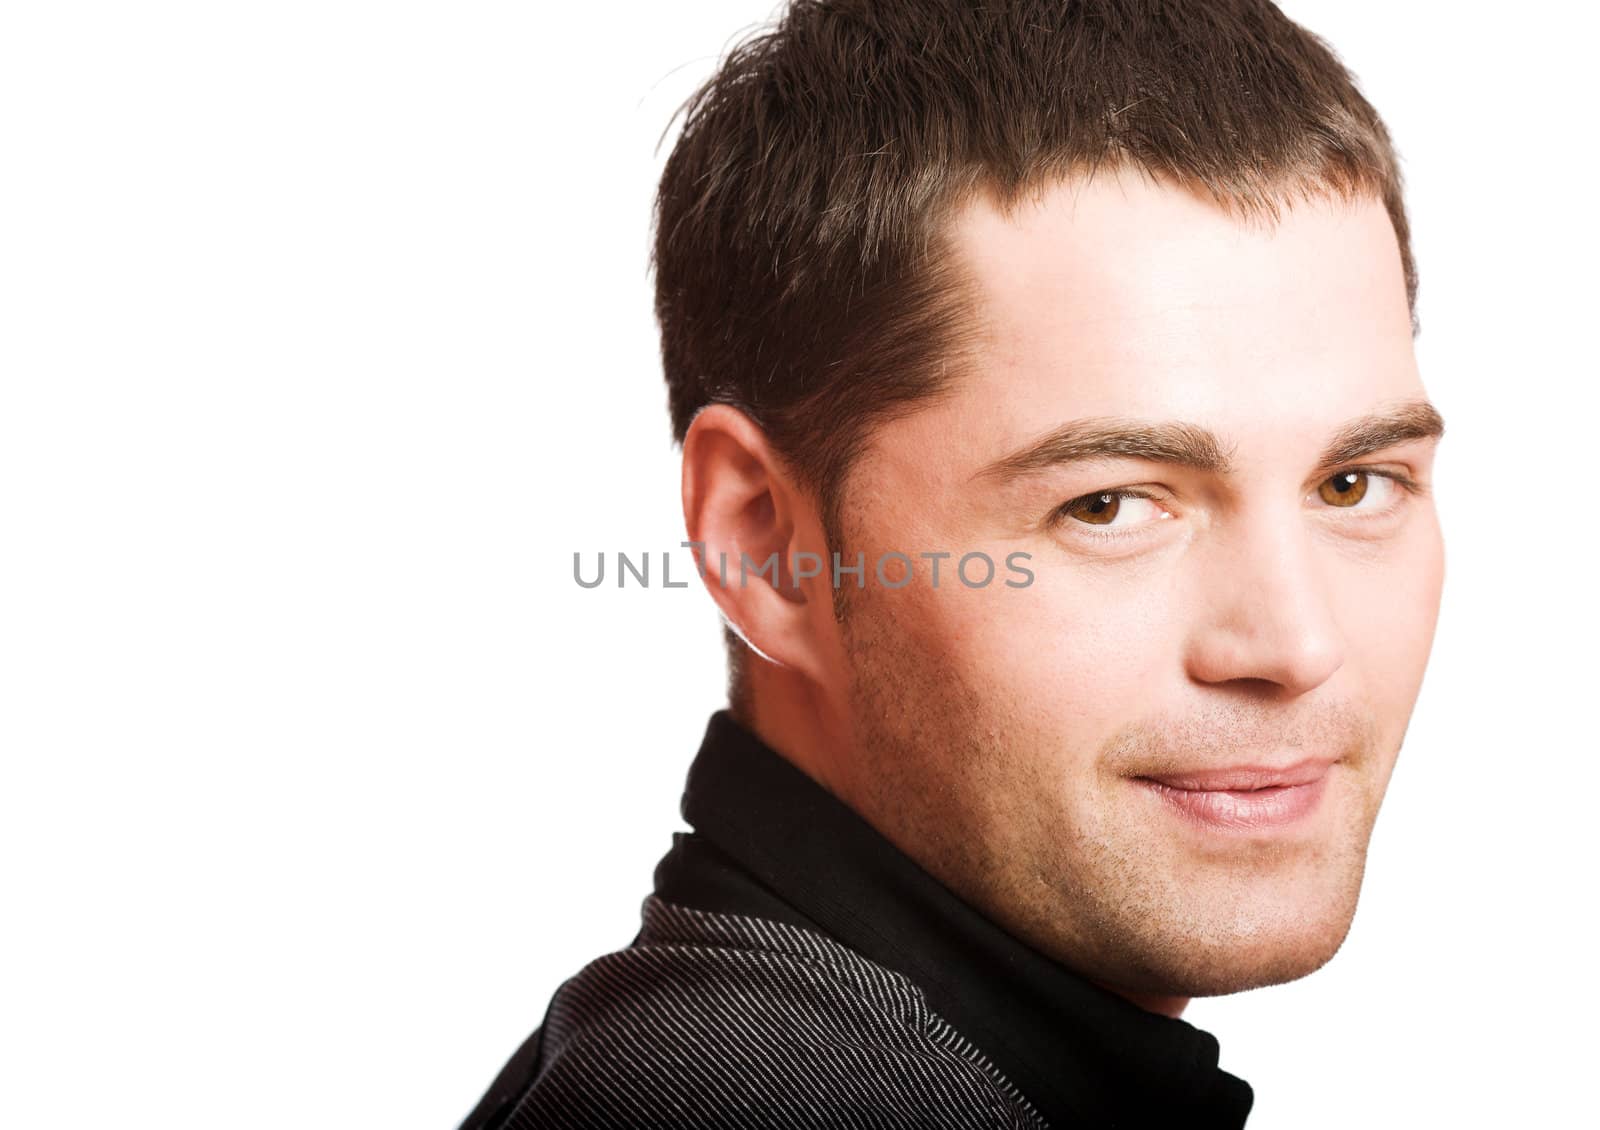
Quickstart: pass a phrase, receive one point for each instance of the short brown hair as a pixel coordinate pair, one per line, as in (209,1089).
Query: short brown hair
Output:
(801,268)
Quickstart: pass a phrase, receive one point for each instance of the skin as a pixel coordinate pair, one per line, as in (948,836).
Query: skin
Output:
(997,734)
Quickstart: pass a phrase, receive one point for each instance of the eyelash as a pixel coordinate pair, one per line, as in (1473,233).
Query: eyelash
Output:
(1399,478)
(1059,516)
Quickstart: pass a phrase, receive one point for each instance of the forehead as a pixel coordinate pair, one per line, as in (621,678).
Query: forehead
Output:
(1121,295)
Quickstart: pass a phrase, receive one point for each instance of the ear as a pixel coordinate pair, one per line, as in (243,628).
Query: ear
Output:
(756,526)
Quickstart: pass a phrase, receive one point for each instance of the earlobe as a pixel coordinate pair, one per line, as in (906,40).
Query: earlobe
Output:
(750,521)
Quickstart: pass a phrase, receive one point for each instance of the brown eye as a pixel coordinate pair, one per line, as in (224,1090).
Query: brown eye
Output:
(1095,509)
(1344,489)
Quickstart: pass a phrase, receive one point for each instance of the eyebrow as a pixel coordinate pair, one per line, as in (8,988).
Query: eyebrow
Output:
(1190,445)
(1413,419)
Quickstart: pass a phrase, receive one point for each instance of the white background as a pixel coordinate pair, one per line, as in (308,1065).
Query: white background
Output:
(326,339)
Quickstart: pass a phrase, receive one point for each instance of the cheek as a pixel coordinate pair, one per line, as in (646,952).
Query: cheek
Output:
(1069,657)
(1388,610)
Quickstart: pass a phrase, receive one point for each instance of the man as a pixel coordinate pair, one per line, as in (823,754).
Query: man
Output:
(1119,294)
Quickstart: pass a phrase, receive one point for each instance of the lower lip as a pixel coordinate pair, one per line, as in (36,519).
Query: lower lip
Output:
(1243,809)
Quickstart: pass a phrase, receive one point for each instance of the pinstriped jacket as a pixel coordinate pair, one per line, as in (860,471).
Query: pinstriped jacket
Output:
(794,969)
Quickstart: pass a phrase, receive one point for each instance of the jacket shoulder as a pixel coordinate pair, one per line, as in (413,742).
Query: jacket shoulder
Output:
(722,1020)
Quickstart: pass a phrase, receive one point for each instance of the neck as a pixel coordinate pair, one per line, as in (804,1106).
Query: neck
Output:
(1150,1002)
(791,715)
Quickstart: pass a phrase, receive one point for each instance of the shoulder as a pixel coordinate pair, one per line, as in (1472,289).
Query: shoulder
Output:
(720,1020)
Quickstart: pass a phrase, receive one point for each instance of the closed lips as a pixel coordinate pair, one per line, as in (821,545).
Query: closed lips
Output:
(1248,778)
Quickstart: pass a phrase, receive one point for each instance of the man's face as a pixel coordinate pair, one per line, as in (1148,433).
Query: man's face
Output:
(1161,761)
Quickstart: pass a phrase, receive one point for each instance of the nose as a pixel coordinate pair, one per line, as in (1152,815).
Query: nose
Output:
(1269,614)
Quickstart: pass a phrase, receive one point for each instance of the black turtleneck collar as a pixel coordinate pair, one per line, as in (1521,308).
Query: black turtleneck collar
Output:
(771,842)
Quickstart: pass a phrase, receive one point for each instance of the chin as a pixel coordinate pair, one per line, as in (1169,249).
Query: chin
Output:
(1259,967)
(1234,956)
